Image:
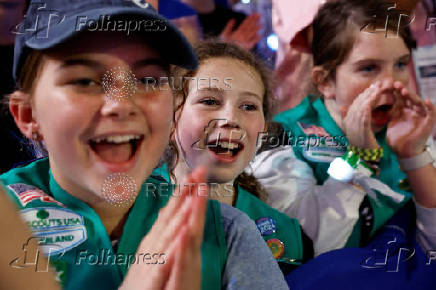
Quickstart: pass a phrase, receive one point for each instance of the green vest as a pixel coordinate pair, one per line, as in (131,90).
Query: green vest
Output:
(280,232)
(274,226)
(303,123)
(81,251)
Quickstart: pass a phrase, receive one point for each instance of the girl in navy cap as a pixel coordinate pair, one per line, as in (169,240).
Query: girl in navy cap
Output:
(92,201)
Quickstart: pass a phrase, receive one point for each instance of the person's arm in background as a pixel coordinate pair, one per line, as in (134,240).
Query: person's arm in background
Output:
(14,236)
(201,6)
(230,26)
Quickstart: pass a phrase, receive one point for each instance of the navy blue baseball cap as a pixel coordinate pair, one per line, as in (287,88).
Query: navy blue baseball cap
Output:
(48,23)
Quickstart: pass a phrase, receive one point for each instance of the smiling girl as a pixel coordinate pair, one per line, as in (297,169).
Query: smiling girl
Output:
(222,107)
(92,202)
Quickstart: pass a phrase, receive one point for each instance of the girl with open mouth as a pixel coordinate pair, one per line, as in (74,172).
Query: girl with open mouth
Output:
(217,125)
(80,93)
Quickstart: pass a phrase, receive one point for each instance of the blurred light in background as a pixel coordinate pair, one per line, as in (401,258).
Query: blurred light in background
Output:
(246,1)
(273,41)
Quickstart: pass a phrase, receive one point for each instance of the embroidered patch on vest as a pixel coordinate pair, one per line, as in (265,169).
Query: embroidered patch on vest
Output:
(28,193)
(59,229)
(266,226)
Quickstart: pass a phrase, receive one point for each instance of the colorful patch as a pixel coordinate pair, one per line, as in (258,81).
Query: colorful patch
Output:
(266,226)
(28,193)
(313,130)
(59,229)
(404,185)
(277,247)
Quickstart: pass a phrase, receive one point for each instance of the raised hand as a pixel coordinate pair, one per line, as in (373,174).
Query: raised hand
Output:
(246,35)
(411,123)
(178,233)
(357,120)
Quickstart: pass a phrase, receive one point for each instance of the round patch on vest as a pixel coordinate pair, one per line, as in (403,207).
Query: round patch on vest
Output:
(266,226)
(277,247)
(404,185)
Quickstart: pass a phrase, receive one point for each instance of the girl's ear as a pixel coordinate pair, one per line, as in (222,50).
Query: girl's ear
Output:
(323,82)
(21,109)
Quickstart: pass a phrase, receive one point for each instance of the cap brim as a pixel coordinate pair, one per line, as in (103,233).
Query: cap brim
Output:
(164,36)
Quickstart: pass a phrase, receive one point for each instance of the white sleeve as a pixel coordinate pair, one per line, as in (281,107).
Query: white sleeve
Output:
(426,217)
(327,213)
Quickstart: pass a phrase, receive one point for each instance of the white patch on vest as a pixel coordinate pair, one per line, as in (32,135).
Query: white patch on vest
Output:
(27,193)
(53,243)
(60,229)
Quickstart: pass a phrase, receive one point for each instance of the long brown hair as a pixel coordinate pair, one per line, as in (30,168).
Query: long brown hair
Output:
(213,49)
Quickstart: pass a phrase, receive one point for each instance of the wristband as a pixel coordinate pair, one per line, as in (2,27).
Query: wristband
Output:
(344,168)
(417,161)
(370,155)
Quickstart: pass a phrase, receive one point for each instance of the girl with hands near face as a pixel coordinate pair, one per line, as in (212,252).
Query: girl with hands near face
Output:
(367,111)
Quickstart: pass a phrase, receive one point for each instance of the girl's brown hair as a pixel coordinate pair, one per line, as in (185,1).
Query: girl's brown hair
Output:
(214,49)
(335,24)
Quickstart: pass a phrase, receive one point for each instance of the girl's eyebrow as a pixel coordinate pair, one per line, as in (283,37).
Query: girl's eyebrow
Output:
(405,57)
(371,60)
(98,65)
(210,89)
(251,94)
(81,61)
(151,61)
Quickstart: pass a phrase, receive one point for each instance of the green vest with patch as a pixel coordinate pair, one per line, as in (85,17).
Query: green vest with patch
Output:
(309,120)
(280,232)
(80,249)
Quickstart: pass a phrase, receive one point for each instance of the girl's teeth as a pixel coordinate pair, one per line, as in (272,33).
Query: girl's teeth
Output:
(228,145)
(118,139)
